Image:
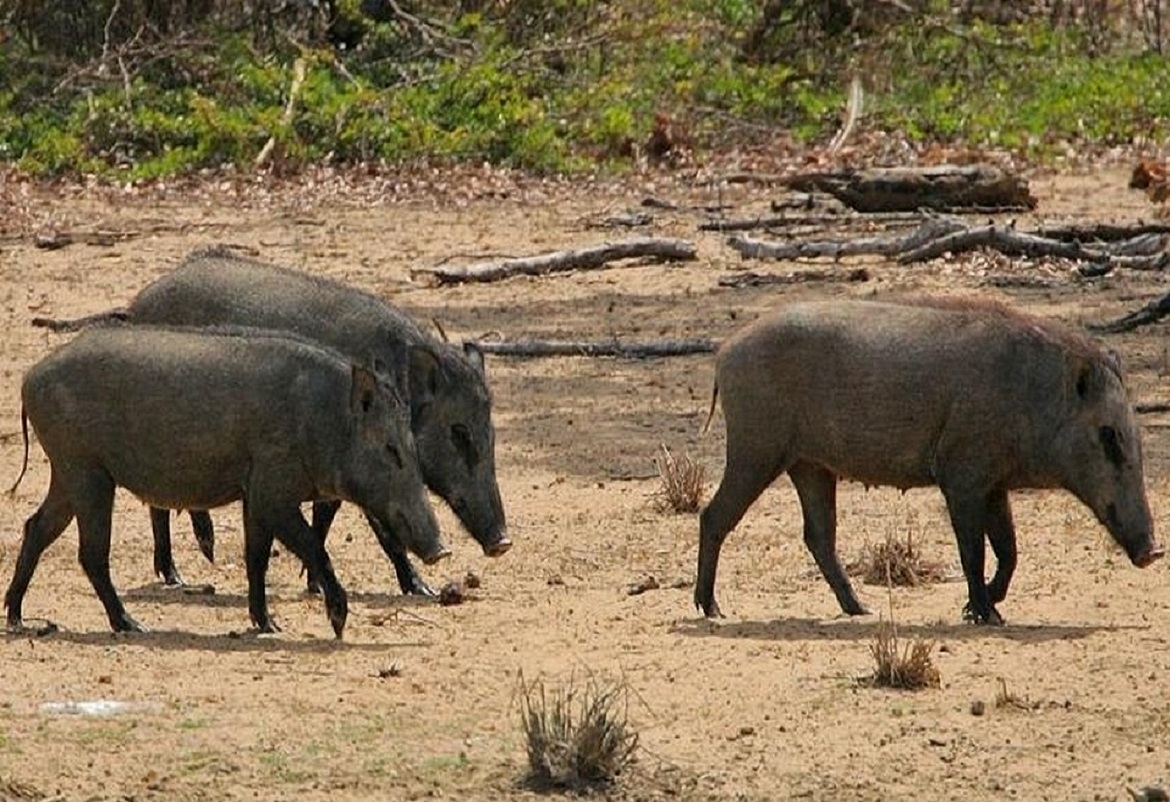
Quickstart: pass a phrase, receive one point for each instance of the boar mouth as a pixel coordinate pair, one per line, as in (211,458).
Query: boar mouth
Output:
(441,553)
(498,548)
(1155,552)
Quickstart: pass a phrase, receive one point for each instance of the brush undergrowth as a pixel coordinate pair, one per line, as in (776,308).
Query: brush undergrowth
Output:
(577,737)
(562,87)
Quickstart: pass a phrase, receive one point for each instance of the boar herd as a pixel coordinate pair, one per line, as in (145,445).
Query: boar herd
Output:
(230,379)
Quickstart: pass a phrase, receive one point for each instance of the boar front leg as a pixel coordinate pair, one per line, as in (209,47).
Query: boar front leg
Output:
(970,519)
(260,523)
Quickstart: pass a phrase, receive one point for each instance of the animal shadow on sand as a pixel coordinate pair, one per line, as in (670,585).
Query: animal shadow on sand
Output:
(204,595)
(867,628)
(238,641)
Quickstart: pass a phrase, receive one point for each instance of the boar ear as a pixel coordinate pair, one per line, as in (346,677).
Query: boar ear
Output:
(1090,378)
(474,355)
(363,387)
(424,375)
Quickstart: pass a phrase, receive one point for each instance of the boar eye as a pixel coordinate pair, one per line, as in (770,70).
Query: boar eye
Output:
(1111,442)
(462,440)
(395,455)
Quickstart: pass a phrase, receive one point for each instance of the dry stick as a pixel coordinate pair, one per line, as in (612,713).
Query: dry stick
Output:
(286,117)
(560,261)
(535,348)
(758,279)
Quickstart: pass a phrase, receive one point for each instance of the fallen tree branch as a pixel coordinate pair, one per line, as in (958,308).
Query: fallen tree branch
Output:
(536,348)
(825,220)
(1003,239)
(931,229)
(939,236)
(578,259)
(750,279)
(1150,313)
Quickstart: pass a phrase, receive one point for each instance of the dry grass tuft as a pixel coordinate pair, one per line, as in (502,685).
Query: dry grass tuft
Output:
(577,738)
(895,562)
(908,668)
(1005,698)
(682,483)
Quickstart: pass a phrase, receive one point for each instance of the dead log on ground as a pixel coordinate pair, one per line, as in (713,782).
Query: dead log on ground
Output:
(828,219)
(1102,232)
(592,258)
(641,350)
(943,187)
(750,279)
(1150,313)
(1003,239)
(946,236)
(931,229)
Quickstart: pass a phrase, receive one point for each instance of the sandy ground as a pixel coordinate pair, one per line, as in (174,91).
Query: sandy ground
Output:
(421,701)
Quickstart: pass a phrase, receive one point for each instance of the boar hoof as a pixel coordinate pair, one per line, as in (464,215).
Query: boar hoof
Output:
(710,608)
(991,618)
(128,624)
(268,627)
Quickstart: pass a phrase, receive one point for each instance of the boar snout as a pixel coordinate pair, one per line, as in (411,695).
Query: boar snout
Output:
(1152,554)
(499,547)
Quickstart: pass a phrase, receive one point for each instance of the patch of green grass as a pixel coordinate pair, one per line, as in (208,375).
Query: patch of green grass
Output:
(563,87)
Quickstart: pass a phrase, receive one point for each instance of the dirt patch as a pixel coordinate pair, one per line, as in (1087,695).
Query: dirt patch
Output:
(420,700)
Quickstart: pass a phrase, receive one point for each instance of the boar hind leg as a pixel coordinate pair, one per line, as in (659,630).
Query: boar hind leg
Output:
(409,582)
(41,529)
(1001,533)
(970,519)
(204,533)
(817,488)
(94,502)
(746,476)
(164,558)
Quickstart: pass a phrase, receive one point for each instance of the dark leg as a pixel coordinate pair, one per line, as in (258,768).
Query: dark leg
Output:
(94,502)
(745,477)
(257,551)
(1002,534)
(204,533)
(323,514)
(409,582)
(969,519)
(164,558)
(817,488)
(40,530)
(299,538)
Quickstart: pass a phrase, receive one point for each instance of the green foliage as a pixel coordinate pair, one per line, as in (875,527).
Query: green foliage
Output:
(549,87)
(1027,88)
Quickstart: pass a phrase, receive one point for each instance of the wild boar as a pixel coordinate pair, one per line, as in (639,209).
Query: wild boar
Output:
(970,396)
(445,386)
(195,419)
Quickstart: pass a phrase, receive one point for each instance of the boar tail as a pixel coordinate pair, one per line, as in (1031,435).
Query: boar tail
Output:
(711,411)
(112,316)
(24,464)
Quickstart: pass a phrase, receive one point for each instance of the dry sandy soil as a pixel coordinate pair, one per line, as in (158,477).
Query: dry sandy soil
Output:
(422,701)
